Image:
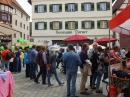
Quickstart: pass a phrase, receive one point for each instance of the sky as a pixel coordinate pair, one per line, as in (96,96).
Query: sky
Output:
(26,6)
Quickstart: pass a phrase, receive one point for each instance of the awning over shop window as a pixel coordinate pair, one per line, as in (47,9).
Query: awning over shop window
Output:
(7,30)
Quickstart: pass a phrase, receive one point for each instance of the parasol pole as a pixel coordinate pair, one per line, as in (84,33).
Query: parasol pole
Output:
(109,59)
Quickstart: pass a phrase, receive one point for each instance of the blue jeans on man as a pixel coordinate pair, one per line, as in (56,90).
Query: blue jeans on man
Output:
(97,76)
(5,64)
(33,67)
(71,77)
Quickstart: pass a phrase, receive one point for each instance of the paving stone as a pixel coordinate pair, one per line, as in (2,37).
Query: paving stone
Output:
(24,87)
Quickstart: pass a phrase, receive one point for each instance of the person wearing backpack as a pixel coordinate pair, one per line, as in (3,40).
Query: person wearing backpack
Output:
(6,56)
(42,62)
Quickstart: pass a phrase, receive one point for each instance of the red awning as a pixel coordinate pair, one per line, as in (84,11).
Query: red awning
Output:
(121,22)
(105,40)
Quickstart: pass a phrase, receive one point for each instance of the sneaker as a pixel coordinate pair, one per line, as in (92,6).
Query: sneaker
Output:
(50,85)
(61,84)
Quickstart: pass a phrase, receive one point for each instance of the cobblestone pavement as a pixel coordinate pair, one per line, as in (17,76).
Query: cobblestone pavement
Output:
(24,87)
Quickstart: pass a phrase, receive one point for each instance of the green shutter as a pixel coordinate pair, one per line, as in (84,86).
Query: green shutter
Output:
(108,5)
(98,24)
(45,8)
(92,25)
(36,8)
(83,24)
(36,26)
(76,6)
(66,7)
(98,6)
(60,25)
(82,6)
(92,6)
(45,25)
(51,25)
(60,7)
(66,25)
(107,24)
(50,6)
(76,24)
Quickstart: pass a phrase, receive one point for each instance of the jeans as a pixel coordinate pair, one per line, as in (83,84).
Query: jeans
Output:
(5,64)
(71,78)
(91,78)
(43,73)
(33,67)
(98,77)
(106,73)
(27,70)
(56,76)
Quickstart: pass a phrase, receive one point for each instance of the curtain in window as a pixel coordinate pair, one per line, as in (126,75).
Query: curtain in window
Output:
(4,16)
(40,8)
(40,26)
(102,6)
(87,25)
(71,7)
(87,7)
(71,25)
(55,25)
(55,8)
(103,24)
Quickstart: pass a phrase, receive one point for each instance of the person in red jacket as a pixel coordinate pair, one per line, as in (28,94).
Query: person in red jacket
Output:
(5,62)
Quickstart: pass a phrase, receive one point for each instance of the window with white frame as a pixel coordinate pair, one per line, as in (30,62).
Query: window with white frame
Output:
(87,7)
(55,25)
(4,16)
(71,7)
(40,8)
(88,25)
(103,24)
(103,6)
(71,25)
(41,26)
(56,8)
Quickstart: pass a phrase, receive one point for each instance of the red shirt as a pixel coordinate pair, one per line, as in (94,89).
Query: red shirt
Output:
(112,55)
(3,54)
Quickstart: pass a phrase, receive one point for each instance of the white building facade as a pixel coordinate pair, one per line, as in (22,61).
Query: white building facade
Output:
(20,22)
(55,20)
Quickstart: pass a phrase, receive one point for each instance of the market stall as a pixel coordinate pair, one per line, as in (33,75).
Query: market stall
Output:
(120,77)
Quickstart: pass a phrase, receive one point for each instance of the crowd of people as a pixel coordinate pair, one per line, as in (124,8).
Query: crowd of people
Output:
(92,62)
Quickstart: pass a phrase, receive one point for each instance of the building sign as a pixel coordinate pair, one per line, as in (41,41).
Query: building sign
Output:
(71,32)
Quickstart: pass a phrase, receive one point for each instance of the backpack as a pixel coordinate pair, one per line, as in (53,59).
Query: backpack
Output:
(39,59)
(8,55)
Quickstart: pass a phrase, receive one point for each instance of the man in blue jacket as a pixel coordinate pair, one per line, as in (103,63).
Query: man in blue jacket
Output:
(72,61)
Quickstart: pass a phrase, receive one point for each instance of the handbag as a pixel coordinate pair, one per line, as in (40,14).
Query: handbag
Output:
(48,67)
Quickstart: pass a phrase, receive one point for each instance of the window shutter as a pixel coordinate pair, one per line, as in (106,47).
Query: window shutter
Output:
(51,25)
(66,25)
(108,5)
(92,25)
(92,6)
(45,25)
(76,24)
(60,25)
(76,6)
(66,7)
(45,8)
(50,7)
(60,7)
(107,24)
(83,24)
(36,26)
(82,6)
(98,6)
(98,24)
(36,8)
